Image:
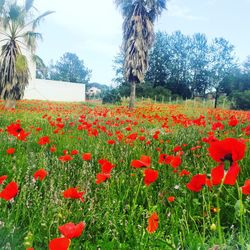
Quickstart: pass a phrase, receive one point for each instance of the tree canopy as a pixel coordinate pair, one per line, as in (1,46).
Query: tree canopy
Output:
(70,69)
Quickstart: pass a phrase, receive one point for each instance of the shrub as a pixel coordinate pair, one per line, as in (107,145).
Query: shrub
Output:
(241,100)
(111,96)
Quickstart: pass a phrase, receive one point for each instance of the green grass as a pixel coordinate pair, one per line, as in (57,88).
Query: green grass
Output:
(116,212)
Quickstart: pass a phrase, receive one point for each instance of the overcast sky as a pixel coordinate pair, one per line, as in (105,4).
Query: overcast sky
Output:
(93,28)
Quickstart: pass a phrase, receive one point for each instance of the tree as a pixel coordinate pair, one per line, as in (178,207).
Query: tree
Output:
(199,65)
(18,34)
(138,36)
(222,63)
(246,66)
(70,69)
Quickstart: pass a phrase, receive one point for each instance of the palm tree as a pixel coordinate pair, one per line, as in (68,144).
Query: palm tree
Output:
(138,36)
(18,37)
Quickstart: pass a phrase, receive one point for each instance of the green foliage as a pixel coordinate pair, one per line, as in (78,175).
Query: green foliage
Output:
(111,96)
(70,69)
(241,100)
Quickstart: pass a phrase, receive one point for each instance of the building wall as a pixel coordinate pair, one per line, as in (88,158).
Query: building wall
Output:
(40,89)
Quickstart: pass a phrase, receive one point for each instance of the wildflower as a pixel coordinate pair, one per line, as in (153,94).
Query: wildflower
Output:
(71,230)
(101,177)
(10,191)
(111,142)
(233,121)
(41,174)
(153,221)
(65,158)
(44,140)
(184,172)
(150,176)
(3,178)
(74,152)
(86,156)
(230,149)
(72,193)
(230,178)
(10,151)
(246,188)
(143,162)
(16,130)
(197,182)
(52,149)
(171,198)
(59,244)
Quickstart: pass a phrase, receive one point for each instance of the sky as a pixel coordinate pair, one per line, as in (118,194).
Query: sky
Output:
(93,29)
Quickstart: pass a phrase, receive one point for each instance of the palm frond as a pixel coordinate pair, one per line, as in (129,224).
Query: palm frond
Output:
(39,61)
(31,38)
(37,21)
(2,3)
(28,5)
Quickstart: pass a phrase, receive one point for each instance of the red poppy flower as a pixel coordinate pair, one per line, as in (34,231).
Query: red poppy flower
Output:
(74,152)
(232,174)
(101,177)
(3,178)
(16,130)
(197,182)
(72,193)
(44,140)
(10,191)
(150,176)
(233,121)
(173,161)
(65,158)
(246,188)
(111,142)
(52,149)
(10,151)
(171,198)
(59,244)
(107,167)
(86,156)
(217,125)
(177,149)
(217,174)
(143,162)
(184,172)
(71,230)
(41,174)
(153,221)
(228,149)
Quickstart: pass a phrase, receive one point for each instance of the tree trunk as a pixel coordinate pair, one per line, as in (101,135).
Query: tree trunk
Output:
(10,104)
(216,99)
(132,95)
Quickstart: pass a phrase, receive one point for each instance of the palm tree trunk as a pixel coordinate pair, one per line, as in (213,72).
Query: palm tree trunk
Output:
(132,95)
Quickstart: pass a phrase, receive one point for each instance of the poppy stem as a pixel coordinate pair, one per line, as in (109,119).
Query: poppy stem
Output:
(218,218)
(241,214)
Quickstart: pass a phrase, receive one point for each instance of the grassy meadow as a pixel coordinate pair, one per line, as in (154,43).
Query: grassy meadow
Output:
(157,177)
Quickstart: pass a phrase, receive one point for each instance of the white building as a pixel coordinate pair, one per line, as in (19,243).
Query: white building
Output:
(93,91)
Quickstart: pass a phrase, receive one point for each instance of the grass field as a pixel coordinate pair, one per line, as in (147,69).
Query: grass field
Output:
(158,177)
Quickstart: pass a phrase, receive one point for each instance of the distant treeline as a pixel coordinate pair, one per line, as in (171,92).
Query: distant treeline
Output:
(186,66)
